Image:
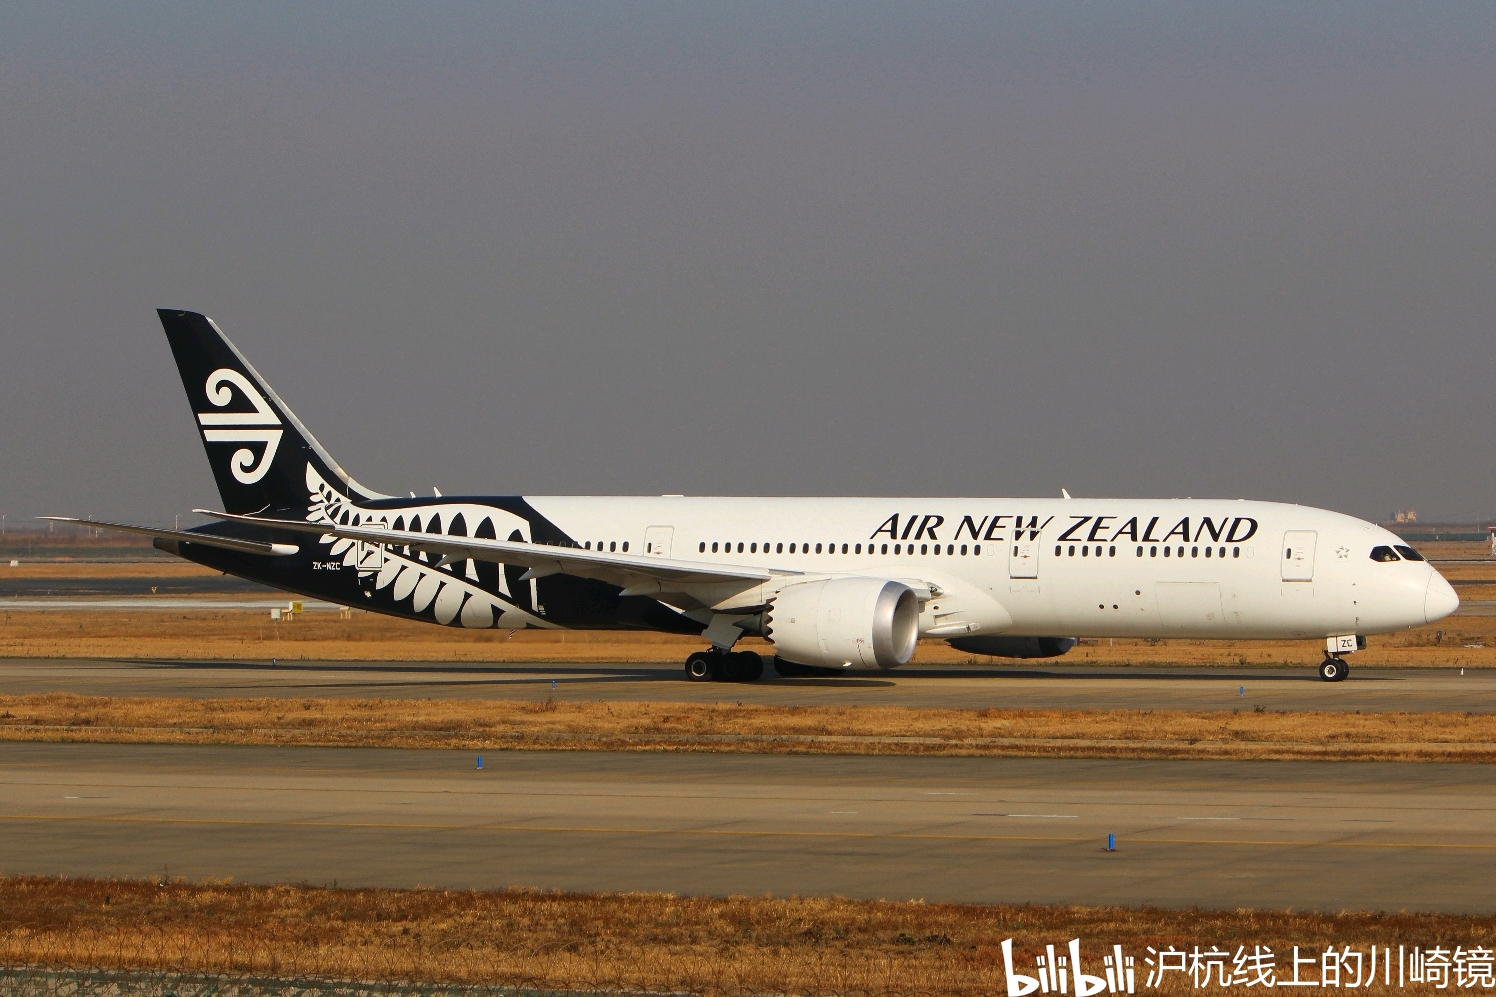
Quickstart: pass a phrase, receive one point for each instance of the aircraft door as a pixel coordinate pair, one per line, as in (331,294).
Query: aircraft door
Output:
(1298,555)
(657,540)
(369,559)
(1023,556)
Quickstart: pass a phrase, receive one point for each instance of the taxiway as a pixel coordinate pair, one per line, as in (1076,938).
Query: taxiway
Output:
(1038,684)
(1223,835)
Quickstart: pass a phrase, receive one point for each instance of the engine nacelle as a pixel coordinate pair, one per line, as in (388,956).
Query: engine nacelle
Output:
(1014,647)
(836,622)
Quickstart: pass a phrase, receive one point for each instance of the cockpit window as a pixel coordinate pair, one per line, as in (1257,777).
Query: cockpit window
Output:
(1383,554)
(1409,553)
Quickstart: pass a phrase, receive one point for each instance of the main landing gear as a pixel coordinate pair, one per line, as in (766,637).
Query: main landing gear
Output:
(1333,668)
(724,666)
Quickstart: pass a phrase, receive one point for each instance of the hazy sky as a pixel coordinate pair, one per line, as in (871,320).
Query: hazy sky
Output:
(911,249)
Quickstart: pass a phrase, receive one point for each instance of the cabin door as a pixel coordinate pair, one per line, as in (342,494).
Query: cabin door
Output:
(657,540)
(1298,555)
(1023,556)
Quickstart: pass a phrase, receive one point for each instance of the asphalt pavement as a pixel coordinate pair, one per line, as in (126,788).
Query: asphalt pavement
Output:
(1326,836)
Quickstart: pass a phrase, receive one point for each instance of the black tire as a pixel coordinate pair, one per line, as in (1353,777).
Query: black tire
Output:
(750,667)
(700,667)
(1332,670)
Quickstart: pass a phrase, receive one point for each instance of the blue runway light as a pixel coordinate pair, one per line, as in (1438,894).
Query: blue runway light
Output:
(1111,842)
(480,763)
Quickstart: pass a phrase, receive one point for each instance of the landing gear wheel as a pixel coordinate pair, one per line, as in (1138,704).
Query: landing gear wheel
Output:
(1333,670)
(700,667)
(750,666)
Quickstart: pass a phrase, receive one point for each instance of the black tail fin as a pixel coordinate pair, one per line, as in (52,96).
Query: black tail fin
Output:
(263,457)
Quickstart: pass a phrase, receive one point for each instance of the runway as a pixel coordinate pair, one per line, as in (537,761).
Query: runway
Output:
(1039,685)
(1220,835)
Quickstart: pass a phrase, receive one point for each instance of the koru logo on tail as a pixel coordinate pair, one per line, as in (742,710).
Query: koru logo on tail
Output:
(241,427)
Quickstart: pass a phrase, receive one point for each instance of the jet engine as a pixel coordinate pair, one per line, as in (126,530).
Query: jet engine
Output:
(836,622)
(1014,647)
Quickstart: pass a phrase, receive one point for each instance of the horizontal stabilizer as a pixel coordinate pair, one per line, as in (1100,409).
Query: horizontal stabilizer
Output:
(183,536)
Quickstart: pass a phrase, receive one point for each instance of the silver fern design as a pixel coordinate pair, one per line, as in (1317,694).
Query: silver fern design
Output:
(452,591)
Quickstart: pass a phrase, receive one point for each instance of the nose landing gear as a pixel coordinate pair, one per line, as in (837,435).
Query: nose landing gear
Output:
(724,666)
(1333,669)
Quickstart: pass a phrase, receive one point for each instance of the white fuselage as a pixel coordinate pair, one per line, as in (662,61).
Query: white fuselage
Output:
(1080,567)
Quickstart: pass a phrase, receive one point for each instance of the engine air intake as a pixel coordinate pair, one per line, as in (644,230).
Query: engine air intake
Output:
(845,622)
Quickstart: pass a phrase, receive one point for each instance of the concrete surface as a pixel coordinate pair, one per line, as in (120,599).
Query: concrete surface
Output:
(1041,684)
(1221,835)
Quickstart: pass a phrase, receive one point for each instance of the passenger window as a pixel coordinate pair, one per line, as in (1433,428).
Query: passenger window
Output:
(963,550)
(937,550)
(885,549)
(792,548)
(1383,554)
(699,550)
(1409,553)
(740,548)
(1236,552)
(924,548)
(613,546)
(818,548)
(858,549)
(976,550)
(625,546)
(1222,552)
(1111,552)
(1166,551)
(1140,552)
(950,548)
(779,548)
(753,548)
(1057,550)
(1181,552)
(844,548)
(1152,551)
(896,548)
(1207,551)
(1072,550)
(714,547)
(1194,551)
(1085,551)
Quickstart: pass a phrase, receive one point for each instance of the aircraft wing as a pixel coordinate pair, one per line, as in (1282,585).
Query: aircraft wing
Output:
(183,536)
(540,559)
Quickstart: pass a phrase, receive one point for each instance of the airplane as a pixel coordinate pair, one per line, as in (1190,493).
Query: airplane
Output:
(831,583)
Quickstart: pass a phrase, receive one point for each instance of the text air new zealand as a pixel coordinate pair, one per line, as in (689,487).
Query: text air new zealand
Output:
(838,583)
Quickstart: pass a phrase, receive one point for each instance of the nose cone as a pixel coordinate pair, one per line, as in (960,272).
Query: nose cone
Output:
(1440,600)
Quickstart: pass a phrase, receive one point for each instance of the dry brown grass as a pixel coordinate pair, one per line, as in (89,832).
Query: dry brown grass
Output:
(637,942)
(83,570)
(551,724)
(240,635)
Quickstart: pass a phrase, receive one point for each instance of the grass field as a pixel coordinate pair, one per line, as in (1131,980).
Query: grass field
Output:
(245,635)
(550,724)
(641,942)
